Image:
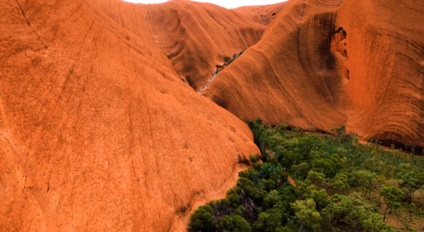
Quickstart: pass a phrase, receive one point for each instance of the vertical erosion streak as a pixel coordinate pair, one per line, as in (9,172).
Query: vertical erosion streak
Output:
(29,25)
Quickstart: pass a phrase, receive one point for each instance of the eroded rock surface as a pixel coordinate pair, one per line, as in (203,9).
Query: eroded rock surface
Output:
(322,64)
(97,130)
(101,127)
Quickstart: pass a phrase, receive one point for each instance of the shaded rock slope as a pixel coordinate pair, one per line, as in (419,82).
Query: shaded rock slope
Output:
(101,125)
(385,63)
(197,37)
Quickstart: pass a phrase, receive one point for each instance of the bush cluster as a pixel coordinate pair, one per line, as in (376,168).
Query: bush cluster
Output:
(308,182)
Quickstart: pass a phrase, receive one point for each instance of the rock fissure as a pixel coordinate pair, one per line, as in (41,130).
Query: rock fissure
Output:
(29,25)
(219,68)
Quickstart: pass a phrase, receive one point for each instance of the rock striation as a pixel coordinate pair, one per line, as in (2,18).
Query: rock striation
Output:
(291,74)
(97,130)
(384,61)
(125,117)
(322,64)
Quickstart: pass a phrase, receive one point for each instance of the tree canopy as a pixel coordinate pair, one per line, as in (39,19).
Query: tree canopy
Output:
(308,182)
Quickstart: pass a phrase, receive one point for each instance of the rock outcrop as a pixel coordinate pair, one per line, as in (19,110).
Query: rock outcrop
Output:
(322,64)
(97,130)
(290,75)
(102,126)
(384,60)
(197,37)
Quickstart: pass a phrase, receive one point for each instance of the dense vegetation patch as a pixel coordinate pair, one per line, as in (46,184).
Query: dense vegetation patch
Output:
(309,182)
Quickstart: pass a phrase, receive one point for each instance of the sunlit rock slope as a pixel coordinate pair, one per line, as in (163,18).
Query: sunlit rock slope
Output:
(97,130)
(125,117)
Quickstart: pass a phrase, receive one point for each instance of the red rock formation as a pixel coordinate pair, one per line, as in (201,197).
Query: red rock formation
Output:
(290,75)
(97,131)
(261,14)
(385,48)
(196,37)
(322,64)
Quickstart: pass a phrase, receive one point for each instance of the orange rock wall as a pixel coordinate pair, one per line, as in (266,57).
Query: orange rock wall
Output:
(290,75)
(97,131)
(322,64)
(261,14)
(385,49)
(197,37)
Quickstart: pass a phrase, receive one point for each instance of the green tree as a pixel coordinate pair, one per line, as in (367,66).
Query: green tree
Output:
(324,165)
(345,213)
(393,197)
(273,198)
(234,223)
(340,209)
(372,222)
(306,213)
(316,178)
(270,220)
(202,219)
(249,189)
(339,183)
(320,198)
(411,179)
(365,179)
(300,170)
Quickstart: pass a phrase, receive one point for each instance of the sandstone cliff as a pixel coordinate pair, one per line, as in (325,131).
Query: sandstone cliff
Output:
(322,64)
(384,60)
(125,117)
(98,132)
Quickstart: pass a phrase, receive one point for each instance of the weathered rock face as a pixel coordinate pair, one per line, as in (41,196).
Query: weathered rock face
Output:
(261,14)
(97,131)
(322,64)
(384,59)
(198,37)
(100,131)
(289,76)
